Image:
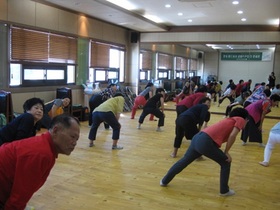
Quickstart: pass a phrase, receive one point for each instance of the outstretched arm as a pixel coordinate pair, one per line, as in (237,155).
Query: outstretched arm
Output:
(162,104)
(230,141)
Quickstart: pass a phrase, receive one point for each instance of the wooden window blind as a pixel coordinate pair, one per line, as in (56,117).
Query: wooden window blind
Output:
(181,63)
(29,45)
(63,48)
(147,60)
(100,54)
(193,64)
(164,61)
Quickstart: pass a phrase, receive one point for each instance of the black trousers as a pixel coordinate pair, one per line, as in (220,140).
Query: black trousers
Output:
(251,131)
(156,112)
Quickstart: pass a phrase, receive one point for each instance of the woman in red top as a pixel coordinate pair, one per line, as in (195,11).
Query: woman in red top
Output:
(207,142)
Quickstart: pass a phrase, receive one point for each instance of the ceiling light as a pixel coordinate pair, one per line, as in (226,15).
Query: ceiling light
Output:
(167,5)
(240,12)
(274,22)
(243,19)
(153,18)
(235,2)
(180,14)
(123,3)
(189,20)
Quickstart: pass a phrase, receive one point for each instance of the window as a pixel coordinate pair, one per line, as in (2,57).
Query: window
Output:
(145,75)
(113,74)
(100,75)
(41,58)
(181,63)
(15,74)
(43,75)
(192,64)
(107,62)
(164,61)
(163,74)
(180,74)
(39,74)
(164,66)
(105,75)
(145,66)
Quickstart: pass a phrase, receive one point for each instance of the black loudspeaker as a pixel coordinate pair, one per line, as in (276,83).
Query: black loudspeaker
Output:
(134,37)
(199,55)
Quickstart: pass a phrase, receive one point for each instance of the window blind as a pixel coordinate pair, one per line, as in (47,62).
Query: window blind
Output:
(100,54)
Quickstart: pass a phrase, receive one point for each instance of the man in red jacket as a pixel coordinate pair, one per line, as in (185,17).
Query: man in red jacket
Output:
(26,164)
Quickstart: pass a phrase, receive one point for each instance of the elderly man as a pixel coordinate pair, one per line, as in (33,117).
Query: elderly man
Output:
(26,164)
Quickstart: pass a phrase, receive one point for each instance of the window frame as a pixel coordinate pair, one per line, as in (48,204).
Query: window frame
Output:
(43,82)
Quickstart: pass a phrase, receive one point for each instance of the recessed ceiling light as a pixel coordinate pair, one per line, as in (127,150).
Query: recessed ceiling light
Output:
(235,2)
(180,14)
(167,5)
(240,12)
(243,19)
(189,20)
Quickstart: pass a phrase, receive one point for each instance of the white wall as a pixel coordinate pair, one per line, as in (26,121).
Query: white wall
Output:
(258,71)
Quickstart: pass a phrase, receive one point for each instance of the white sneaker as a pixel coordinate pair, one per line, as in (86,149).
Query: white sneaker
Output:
(139,126)
(265,164)
(229,193)
(243,143)
(159,129)
(161,184)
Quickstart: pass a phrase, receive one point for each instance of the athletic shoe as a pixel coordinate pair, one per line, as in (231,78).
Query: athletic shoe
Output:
(229,193)
(117,147)
(265,164)
(159,129)
(161,184)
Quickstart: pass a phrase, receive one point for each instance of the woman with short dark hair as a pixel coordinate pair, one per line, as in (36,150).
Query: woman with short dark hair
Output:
(25,125)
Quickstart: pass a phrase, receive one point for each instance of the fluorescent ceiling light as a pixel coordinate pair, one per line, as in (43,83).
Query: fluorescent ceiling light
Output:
(243,19)
(153,18)
(275,22)
(123,3)
(240,12)
(180,14)
(189,20)
(235,2)
(167,5)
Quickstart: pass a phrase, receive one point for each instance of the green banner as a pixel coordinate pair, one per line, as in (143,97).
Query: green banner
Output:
(241,56)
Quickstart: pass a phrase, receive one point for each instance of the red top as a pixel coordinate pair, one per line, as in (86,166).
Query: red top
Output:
(191,100)
(24,167)
(220,131)
(238,89)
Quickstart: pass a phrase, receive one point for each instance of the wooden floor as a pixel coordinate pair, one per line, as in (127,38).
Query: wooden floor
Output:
(99,178)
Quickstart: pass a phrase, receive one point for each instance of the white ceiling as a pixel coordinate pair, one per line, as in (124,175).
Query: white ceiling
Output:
(265,13)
